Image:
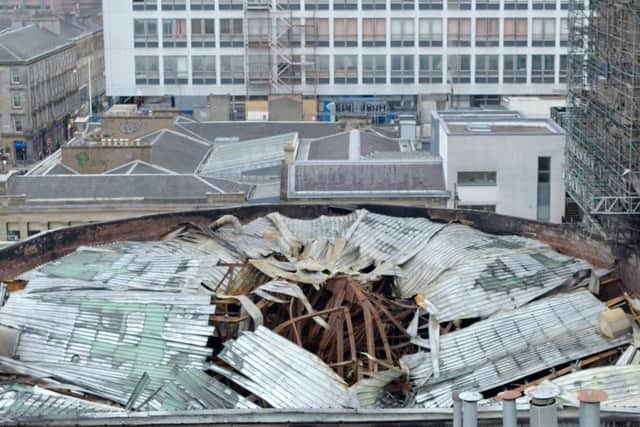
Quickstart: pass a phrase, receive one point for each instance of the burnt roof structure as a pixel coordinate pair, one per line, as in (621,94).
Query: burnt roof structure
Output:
(318,308)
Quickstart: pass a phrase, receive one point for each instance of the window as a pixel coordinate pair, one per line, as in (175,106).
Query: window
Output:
(290,71)
(176,70)
(487,4)
(487,69)
(174,33)
(259,30)
(289,32)
(318,71)
(544,4)
(402,32)
(374,69)
(403,5)
(345,4)
(459,4)
(564,68)
(145,4)
(345,69)
(17,124)
(373,32)
(15,76)
(145,33)
(544,32)
(459,32)
(345,32)
(316,4)
(542,69)
(174,4)
(516,4)
(430,4)
(317,32)
(459,67)
(232,70)
(515,69)
(374,4)
(231,33)
(402,69)
(13,231)
(203,32)
(515,31)
(544,189)
(231,4)
(430,70)
(430,32)
(487,32)
(203,70)
(16,100)
(259,67)
(564,32)
(477,179)
(147,70)
(203,4)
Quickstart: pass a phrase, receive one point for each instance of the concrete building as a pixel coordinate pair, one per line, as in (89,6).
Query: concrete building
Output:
(460,52)
(502,162)
(39,92)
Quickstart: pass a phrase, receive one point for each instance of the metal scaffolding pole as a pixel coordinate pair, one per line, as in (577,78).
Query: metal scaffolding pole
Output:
(603,144)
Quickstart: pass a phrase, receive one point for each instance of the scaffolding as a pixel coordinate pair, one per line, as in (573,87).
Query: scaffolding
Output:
(273,38)
(603,146)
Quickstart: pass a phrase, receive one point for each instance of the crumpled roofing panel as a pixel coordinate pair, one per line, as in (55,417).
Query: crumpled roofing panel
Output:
(622,384)
(18,401)
(465,273)
(282,373)
(462,272)
(512,345)
(105,341)
(169,265)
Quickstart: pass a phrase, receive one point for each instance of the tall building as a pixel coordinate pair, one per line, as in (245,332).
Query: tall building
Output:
(467,51)
(603,151)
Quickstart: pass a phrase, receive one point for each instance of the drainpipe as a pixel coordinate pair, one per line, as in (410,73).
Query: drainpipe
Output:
(590,401)
(457,409)
(543,409)
(509,412)
(470,408)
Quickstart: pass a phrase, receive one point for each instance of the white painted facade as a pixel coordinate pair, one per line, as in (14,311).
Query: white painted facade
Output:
(510,149)
(119,18)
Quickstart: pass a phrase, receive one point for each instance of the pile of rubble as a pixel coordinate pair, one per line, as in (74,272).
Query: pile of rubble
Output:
(355,311)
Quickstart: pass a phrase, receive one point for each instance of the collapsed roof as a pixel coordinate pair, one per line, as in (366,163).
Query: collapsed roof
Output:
(353,311)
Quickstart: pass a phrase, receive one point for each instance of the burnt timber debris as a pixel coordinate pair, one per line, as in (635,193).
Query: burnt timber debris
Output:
(355,311)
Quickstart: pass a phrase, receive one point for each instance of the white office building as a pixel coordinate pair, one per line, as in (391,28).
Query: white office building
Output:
(476,50)
(502,161)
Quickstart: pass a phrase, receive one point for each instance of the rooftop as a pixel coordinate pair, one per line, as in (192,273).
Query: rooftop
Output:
(494,122)
(238,309)
(25,44)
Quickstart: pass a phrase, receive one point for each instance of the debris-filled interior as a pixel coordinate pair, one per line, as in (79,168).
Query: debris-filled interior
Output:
(355,311)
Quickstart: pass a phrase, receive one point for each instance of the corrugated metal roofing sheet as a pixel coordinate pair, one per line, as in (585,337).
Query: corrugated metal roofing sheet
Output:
(282,373)
(169,265)
(19,402)
(512,345)
(462,272)
(105,341)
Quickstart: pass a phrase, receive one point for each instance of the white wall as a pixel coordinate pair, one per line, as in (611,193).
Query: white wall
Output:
(515,160)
